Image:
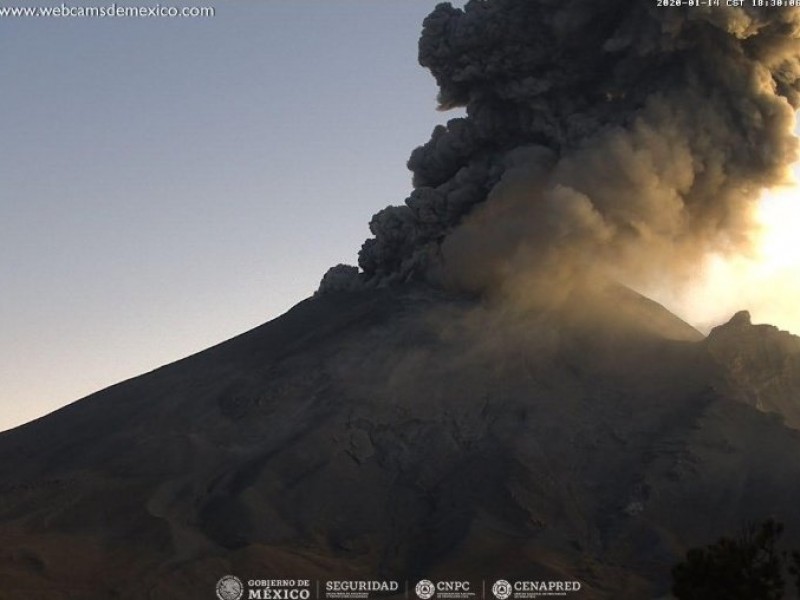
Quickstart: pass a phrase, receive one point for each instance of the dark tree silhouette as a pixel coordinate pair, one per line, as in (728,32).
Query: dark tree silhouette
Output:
(748,567)
(794,568)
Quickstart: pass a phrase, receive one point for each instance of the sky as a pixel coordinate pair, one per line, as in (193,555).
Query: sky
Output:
(170,183)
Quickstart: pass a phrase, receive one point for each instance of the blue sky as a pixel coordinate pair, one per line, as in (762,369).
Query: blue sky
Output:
(167,184)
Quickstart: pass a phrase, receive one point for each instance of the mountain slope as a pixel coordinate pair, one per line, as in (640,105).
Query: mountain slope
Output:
(399,434)
(761,366)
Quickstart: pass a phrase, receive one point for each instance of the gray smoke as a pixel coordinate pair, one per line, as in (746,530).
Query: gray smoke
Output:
(614,135)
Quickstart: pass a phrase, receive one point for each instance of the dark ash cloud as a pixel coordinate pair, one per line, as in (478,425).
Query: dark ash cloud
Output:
(610,135)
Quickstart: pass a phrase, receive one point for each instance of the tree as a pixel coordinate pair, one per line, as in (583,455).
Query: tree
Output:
(794,568)
(748,567)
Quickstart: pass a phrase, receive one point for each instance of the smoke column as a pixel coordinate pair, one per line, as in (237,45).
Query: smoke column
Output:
(610,137)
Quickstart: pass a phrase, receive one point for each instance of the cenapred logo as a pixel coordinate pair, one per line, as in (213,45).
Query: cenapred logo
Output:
(528,589)
(230,587)
(501,589)
(425,589)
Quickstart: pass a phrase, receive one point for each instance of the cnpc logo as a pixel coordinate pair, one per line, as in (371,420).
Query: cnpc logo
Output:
(427,589)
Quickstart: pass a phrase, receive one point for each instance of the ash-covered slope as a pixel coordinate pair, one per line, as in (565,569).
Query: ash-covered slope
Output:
(401,433)
(761,366)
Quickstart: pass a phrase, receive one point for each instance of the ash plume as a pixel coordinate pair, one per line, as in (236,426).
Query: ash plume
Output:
(607,135)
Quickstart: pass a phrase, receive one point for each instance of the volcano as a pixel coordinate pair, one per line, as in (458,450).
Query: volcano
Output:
(408,433)
(479,398)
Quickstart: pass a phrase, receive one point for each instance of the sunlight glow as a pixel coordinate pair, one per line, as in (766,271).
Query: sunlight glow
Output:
(767,283)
